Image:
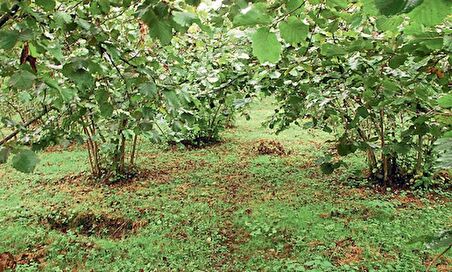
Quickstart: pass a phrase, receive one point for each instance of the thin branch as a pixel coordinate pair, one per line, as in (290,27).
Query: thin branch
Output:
(14,133)
(285,15)
(113,62)
(437,257)
(5,18)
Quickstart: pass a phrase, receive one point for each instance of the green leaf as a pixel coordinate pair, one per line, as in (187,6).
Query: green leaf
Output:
(389,24)
(331,50)
(362,112)
(172,99)
(293,4)
(67,94)
(47,5)
(256,15)
(4,153)
(344,149)
(8,39)
(445,101)
(294,30)
(431,12)
(392,7)
(22,79)
(159,28)
(52,83)
(148,89)
(104,6)
(328,167)
(193,2)
(25,161)
(184,19)
(77,71)
(266,46)
(126,3)
(26,35)
(337,3)
(397,61)
(390,87)
(106,109)
(443,239)
(62,18)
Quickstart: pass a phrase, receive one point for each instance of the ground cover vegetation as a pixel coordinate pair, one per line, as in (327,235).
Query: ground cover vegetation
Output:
(225,135)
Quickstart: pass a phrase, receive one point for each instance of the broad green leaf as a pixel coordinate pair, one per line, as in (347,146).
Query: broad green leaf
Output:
(362,112)
(184,19)
(431,12)
(62,18)
(331,50)
(444,239)
(172,99)
(397,61)
(391,7)
(47,5)
(159,28)
(78,72)
(4,153)
(390,87)
(101,95)
(447,42)
(22,79)
(56,52)
(257,14)
(67,94)
(445,101)
(25,161)
(344,149)
(148,89)
(193,2)
(293,4)
(328,167)
(51,82)
(8,39)
(293,30)
(126,3)
(369,7)
(337,3)
(389,24)
(401,148)
(104,6)
(83,23)
(106,109)
(26,35)
(266,46)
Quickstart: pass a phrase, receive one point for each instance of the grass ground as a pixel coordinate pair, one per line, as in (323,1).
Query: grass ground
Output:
(222,208)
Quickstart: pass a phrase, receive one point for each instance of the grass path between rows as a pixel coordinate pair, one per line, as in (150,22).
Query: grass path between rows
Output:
(221,208)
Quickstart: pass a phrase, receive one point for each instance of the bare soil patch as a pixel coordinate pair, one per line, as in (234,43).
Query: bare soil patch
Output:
(270,147)
(90,224)
(9,262)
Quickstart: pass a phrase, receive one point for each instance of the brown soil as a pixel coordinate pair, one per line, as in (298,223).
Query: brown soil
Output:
(7,261)
(60,148)
(38,255)
(91,224)
(346,252)
(270,147)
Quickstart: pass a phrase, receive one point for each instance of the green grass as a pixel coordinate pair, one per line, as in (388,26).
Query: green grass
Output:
(222,208)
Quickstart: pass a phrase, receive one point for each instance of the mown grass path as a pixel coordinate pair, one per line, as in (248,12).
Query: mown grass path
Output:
(222,208)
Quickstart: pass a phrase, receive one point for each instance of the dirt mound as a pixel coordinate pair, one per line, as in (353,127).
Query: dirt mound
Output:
(270,147)
(7,261)
(93,224)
